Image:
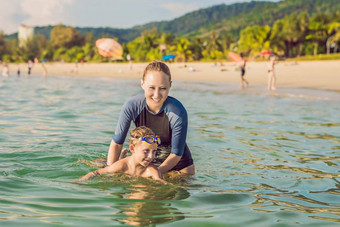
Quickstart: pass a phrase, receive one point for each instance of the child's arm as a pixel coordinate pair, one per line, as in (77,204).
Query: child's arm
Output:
(114,168)
(90,175)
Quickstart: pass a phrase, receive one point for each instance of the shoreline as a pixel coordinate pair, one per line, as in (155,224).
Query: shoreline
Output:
(323,75)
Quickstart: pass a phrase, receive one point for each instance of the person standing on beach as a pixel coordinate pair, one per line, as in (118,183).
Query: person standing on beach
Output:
(271,73)
(29,67)
(5,70)
(18,70)
(242,66)
(164,115)
(44,69)
(128,57)
(76,67)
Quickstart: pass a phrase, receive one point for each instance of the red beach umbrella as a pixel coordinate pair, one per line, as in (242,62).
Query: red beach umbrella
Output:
(266,53)
(234,57)
(109,48)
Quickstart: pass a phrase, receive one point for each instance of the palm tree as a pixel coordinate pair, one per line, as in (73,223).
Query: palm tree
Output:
(276,37)
(303,23)
(334,38)
(254,39)
(2,44)
(196,47)
(182,49)
(214,42)
(168,39)
(318,30)
(292,33)
(151,38)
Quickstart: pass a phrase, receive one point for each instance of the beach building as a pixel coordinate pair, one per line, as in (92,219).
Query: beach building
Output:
(25,33)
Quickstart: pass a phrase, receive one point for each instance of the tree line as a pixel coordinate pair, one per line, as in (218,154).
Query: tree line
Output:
(294,35)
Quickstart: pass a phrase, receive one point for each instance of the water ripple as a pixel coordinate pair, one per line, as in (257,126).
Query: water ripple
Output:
(261,158)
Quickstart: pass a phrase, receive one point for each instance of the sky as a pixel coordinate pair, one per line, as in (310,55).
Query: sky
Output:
(96,13)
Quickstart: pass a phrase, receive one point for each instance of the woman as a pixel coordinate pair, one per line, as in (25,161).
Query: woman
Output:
(271,73)
(165,115)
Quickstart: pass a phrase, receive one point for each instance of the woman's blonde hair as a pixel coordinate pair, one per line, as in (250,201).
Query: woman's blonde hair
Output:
(139,132)
(157,66)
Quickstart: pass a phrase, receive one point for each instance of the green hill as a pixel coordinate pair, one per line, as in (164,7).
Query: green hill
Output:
(225,19)
(233,18)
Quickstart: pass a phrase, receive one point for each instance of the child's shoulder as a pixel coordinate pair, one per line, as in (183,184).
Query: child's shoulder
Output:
(152,166)
(119,166)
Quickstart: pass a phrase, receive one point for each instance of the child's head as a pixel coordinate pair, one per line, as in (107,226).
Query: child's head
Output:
(140,132)
(157,66)
(143,145)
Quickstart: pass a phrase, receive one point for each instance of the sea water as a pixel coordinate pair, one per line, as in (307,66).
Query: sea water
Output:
(262,158)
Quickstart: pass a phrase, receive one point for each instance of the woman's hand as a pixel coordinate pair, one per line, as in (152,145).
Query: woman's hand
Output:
(169,163)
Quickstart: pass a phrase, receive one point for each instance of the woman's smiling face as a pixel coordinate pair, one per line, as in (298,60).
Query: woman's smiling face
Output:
(156,86)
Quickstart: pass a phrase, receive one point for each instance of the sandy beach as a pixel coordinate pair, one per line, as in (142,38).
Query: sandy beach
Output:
(305,74)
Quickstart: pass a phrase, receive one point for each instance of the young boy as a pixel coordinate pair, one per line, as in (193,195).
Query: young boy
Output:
(143,145)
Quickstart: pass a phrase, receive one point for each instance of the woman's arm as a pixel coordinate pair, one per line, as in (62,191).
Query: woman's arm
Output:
(169,163)
(113,153)
(127,114)
(179,126)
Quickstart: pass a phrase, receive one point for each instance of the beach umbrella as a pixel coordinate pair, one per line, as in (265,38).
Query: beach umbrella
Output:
(234,57)
(266,53)
(168,57)
(109,48)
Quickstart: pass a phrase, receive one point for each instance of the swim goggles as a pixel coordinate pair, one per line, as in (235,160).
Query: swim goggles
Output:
(151,139)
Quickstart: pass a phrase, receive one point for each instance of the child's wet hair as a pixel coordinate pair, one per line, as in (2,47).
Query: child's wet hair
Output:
(140,132)
(157,66)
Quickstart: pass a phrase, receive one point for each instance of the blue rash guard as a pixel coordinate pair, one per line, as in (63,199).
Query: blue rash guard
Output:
(170,124)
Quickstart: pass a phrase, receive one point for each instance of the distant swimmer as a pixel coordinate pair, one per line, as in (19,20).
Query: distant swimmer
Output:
(271,73)
(143,145)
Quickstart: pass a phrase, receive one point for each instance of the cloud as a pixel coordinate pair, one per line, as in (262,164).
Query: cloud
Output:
(178,8)
(10,14)
(45,12)
(33,13)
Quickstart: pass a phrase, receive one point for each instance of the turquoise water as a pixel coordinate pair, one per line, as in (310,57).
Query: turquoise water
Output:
(262,159)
